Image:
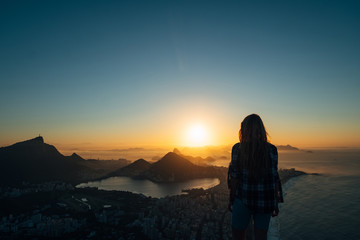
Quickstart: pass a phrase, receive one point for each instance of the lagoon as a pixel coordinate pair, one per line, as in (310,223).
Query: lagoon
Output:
(149,188)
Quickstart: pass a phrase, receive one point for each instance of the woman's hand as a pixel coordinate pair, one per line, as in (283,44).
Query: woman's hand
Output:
(233,184)
(230,206)
(275,212)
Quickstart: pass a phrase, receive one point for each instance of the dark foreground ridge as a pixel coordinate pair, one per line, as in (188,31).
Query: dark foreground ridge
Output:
(58,210)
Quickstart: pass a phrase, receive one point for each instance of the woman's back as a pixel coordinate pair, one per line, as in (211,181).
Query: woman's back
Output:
(256,191)
(253,179)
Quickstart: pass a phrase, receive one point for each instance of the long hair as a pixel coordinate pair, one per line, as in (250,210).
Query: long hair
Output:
(254,153)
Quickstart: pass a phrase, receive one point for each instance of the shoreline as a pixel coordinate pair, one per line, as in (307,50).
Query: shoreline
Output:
(286,176)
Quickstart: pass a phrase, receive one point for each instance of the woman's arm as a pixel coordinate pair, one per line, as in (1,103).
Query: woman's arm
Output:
(233,176)
(278,187)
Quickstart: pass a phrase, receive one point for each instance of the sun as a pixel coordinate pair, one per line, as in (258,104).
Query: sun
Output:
(197,136)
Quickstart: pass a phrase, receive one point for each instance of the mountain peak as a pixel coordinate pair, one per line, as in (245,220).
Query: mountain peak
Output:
(141,161)
(38,139)
(176,151)
(287,147)
(172,167)
(34,160)
(173,159)
(132,169)
(76,157)
(171,156)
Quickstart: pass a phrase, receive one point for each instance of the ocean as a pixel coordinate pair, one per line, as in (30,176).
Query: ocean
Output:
(324,206)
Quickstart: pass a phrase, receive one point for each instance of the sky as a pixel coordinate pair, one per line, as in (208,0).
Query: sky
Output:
(112,74)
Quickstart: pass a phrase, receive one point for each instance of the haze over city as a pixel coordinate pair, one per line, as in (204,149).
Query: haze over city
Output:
(118,74)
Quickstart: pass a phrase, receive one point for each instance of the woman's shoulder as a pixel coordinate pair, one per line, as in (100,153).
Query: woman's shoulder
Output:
(272,148)
(235,149)
(236,146)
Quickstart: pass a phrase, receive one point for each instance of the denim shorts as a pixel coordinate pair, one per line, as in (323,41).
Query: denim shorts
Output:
(241,217)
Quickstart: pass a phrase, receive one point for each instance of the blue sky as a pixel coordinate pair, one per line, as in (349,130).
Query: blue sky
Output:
(140,72)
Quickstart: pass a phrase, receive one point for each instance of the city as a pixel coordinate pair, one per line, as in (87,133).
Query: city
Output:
(58,210)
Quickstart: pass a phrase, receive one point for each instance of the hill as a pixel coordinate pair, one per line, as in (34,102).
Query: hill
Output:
(290,148)
(170,168)
(36,161)
(195,160)
(132,170)
(287,148)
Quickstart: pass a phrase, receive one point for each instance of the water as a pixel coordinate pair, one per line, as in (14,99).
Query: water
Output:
(325,206)
(149,188)
(322,207)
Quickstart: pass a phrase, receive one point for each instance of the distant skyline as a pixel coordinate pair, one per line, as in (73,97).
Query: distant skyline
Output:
(117,74)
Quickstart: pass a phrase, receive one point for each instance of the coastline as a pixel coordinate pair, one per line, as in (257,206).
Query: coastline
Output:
(287,174)
(286,177)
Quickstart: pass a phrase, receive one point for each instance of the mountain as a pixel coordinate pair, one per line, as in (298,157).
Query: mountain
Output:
(35,161)
(132,170)
(290,148)
(287,148)
(170,168)
(173,167)
(177,151)
(195,160)
(76,157)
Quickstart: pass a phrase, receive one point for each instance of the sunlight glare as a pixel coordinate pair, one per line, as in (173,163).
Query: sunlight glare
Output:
(197,136)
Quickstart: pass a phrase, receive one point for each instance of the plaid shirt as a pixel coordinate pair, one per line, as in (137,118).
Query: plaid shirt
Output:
(259,195)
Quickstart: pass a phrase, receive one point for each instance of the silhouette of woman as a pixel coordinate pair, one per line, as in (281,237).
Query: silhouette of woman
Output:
(253,180)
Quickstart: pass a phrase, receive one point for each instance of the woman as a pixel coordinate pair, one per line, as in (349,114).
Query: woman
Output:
(253,179)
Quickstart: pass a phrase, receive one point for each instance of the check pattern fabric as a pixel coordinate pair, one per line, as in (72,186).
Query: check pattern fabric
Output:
(260,195)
